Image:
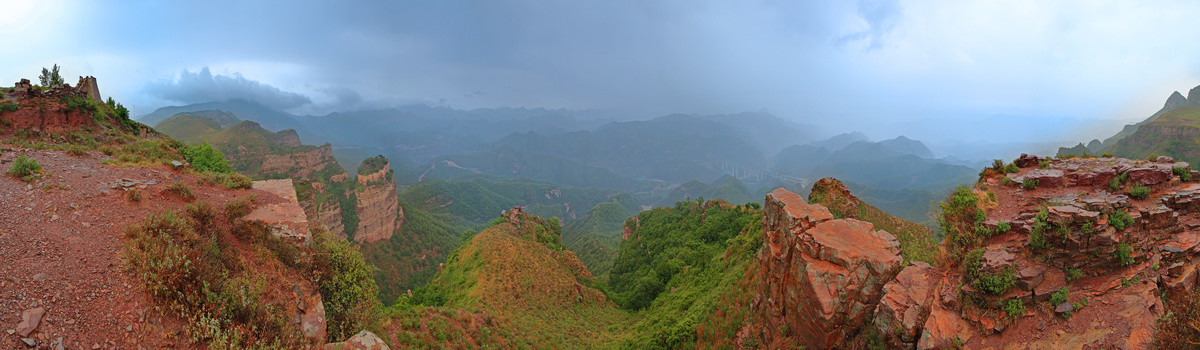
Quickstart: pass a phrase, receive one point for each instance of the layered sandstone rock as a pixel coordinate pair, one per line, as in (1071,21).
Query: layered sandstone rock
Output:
(284,218)
(823,277)
(378,206)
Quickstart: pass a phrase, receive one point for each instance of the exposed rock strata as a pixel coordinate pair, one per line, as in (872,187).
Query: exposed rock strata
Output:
(378,206)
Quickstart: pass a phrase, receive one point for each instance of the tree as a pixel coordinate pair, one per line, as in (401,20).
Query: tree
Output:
(50,77)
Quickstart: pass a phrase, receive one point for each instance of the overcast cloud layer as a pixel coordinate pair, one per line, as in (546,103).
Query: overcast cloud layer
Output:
(927,69)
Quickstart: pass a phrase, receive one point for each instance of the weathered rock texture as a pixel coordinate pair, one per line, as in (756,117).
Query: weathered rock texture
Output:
(378,207)
(364,340)
(285,218)
(823,276)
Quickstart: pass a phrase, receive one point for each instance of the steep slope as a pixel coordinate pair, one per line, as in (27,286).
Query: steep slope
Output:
(105,241)
(410,258)
(691,270)
(917,242)
(1064,253)
(320,182)
(1174,101)
(378,207)
(1175,133)
(596,236)
(518,272)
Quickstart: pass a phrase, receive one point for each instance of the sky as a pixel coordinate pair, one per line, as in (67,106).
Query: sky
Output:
(934,70)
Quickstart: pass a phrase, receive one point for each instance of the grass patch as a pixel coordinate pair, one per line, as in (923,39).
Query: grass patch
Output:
(197,276)
(180,190)
(227,180)
(26,169)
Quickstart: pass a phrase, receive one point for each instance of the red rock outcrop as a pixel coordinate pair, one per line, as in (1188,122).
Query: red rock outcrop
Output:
(906,305)
(284,219)
(823,277)
(379,211)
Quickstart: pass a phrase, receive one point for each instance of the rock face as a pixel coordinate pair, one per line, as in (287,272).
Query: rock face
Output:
(906,305)
(378,206)
(364,340)
(284,216)
(45,111)
(300,164)
(823,277)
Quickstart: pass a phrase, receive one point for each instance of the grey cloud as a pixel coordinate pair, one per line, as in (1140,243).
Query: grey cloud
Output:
(881,16)
(203,86)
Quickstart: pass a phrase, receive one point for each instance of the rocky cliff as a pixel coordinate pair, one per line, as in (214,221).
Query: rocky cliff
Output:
(1064,253)
(822,277)
(378,206)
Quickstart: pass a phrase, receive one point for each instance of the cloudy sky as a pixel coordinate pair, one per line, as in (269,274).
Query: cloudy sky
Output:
(989,70)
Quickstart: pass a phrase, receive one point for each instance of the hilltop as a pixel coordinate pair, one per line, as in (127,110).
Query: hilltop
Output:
(114,235)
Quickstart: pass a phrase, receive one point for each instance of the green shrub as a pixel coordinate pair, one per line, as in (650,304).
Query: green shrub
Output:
(1029,184)
(1007,181)
(8,107)
(958,217)
(239,208)
(1073,274)
(998,165)
(1139,192)
(996,283)
(228,180)
(182,191)
(1002,227)
(1124,254)
(1014,308)
(1059,296)
(1120,220)
(1045,164)
(26,169)
(1177,326)
(134,195)
(198,278)
(1011,168)
(347,286)
(1152,157)
(1106,155)
(1184,174)
(204,217)
(204,157)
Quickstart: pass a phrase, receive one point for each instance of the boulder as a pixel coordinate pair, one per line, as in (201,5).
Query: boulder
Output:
(824,285)
(1026,161)
(1094,176)
(1159,217)
(1066,215)
(1185,200)
(1164,160)
(905,305)
(1104,202)
(1046,177)
(944,329)
(364,340)
(1149,175)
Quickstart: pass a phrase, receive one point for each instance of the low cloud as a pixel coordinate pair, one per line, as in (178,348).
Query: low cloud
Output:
(203,86)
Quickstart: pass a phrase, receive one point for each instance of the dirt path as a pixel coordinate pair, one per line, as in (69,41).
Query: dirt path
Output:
(61,241)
